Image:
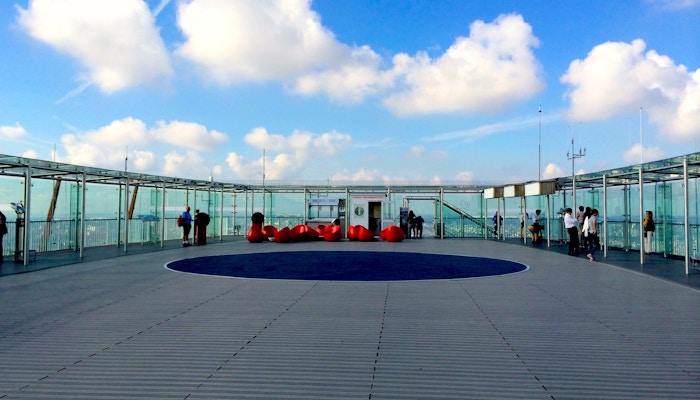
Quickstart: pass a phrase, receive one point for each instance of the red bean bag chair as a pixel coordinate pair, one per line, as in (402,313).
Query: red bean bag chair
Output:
(364,234)
(255,234)
(352,232)
(320,229)
(312,234)
(392,234)
(283,235)
(300,232)
(382,234)
(269,231)
(332,234)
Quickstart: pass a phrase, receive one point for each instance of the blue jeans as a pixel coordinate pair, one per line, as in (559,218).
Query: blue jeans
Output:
(593,243)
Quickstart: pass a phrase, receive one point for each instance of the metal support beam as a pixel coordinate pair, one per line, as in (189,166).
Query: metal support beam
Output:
(82,216)
(27,215)
(641,216)
(605,216)
(686,215)
(549,220)
(442,213)
(162,217)
(126,214)
(221,217)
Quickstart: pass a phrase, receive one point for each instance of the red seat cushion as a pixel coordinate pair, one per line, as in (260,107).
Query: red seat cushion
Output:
(255,234)
(332,234)
(364,234)
(352,232)
(283,235)
(300,232)
(393,234)
(269,231)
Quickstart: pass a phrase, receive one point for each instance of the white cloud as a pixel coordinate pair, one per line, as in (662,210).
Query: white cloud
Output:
(258,40)
(415,152)
(553,171)
(241,168)
(191,164)
(175,164)
(12,132)
(360,176)
(30,154)
(488,70)
(187,134)
(116,41)
(331,143)
(274,40)
(618,77)
(143,160)
(285,156)
(105,147)
(298,142)
(464,177)
(357,77)
(634,154)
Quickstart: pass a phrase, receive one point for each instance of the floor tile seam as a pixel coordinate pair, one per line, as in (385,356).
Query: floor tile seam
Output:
(533,377)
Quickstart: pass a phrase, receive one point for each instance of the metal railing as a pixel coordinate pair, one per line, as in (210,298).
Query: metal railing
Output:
(61,235)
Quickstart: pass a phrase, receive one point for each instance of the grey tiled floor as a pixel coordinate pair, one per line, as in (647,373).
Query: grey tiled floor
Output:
(126,327)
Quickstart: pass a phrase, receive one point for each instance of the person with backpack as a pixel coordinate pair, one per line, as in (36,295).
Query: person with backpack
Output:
(3,231)
(186,219)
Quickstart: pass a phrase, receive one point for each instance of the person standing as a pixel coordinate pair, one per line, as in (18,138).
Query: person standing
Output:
(523,219)
(582,216)
(411,224)
(497,223)
(536,227)
(419,226)
(3,231)
(201,220)
(593,240)
(571,225)
(186,227)
(649,228)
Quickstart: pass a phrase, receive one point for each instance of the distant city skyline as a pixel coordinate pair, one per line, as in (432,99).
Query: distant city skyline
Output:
(350,92)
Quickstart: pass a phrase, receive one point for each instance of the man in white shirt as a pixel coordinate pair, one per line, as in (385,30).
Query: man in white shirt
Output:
(536,227)
(571,225)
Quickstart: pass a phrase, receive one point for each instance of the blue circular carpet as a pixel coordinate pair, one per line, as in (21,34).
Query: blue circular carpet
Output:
(347,266)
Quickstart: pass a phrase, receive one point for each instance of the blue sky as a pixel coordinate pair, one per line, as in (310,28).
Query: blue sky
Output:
(350,91)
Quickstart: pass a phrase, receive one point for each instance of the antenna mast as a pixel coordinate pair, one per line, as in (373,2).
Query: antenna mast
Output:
(573,156)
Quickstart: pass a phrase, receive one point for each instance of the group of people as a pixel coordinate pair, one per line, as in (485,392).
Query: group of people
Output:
(535,229)
(583,231)
(585,226)
(415,225)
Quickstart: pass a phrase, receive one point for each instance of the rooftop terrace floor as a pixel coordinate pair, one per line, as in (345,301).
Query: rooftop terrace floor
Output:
(126,327)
